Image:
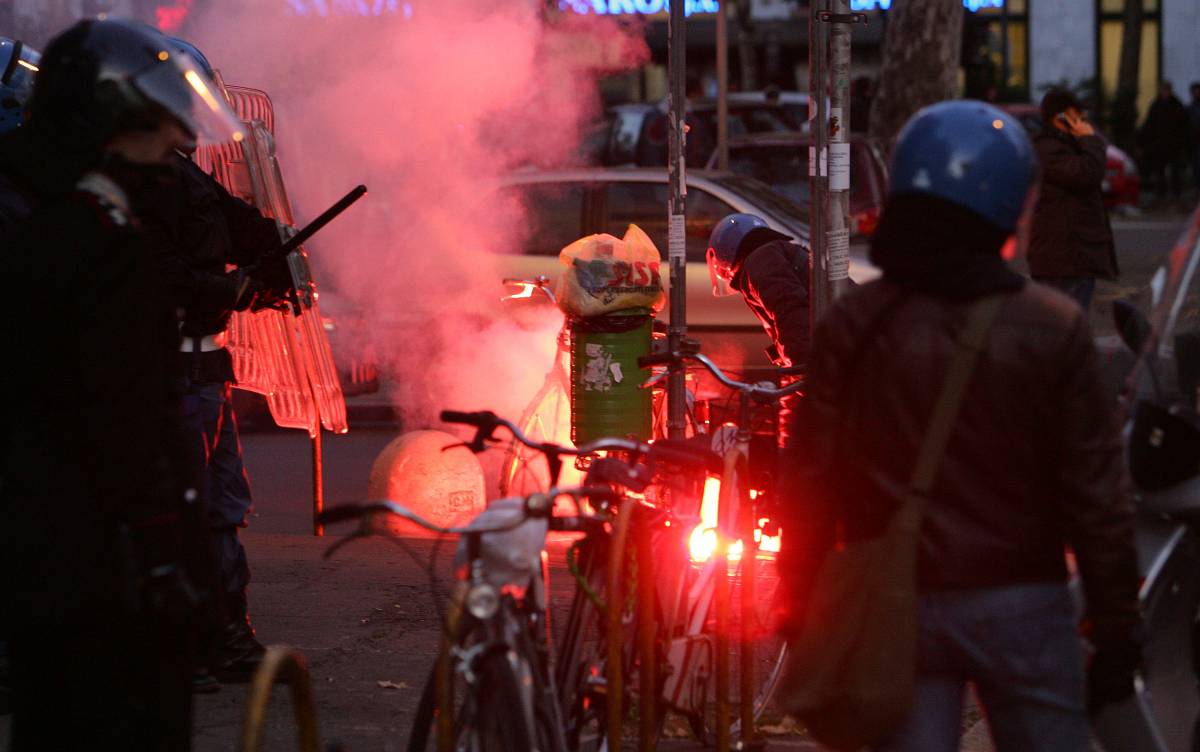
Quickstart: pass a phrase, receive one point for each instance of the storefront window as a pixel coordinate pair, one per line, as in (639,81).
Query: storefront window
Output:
(996,52)
(1110,36)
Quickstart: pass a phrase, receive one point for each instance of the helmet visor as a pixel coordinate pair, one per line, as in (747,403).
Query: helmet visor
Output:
(178,84)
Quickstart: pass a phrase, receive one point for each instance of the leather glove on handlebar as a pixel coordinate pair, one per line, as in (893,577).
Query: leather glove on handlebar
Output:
(1111,673)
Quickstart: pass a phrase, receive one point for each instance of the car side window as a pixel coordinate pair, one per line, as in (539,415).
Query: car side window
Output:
(553,216)
(645,205)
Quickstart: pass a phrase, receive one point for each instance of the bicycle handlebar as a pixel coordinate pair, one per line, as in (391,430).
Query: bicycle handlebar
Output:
(758,391)
(486,422)
(534,505)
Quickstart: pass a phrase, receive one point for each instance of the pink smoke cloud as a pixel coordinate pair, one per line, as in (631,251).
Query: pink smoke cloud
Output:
(428,106)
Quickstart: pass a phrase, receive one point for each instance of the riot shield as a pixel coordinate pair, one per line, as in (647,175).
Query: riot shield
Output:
(284,356)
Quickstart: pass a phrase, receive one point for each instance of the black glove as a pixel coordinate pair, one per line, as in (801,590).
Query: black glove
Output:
(273,273)
(248,289)
(1111,673)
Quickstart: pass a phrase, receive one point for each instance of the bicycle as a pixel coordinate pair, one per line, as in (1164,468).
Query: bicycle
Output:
(496,643)
(547,416)
(738,531)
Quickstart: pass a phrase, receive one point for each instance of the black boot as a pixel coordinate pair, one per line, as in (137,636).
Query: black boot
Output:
(239,653)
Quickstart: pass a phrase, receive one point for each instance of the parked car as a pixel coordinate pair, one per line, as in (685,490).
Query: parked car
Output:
(636,134)
(1122,185)
(564,205)
(781,161)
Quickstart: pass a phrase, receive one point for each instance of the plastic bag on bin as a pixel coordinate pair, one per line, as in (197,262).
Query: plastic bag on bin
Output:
(606,274)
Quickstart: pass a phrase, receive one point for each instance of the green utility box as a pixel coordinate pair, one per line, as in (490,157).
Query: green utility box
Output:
(606,398)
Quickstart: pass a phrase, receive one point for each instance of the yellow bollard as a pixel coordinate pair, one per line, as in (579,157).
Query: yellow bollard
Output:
(281,664)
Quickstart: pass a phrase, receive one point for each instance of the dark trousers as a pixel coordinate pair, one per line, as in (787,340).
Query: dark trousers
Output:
(101,685)
(1162,165)
(212,426)
(1019,646)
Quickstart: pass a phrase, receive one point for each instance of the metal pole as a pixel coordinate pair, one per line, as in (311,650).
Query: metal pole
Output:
(676,109)
(318,475)
(837,232)
(818,182)
(647,630)
(723,87)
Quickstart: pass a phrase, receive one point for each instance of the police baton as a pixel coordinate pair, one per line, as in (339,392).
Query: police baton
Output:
(315,226)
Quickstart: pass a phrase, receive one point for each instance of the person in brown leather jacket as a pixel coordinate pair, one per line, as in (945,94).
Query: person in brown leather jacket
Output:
(1034,462)
(1072,241)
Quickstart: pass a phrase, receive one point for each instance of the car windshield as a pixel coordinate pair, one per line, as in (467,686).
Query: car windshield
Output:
(779,207)
(784,167)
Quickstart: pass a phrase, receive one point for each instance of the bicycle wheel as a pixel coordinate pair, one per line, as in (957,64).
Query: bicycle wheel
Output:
(583,654)
(494,706)
(546,418)
(765,650)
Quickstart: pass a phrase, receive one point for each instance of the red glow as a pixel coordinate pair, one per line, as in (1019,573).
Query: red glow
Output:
(702,543)
(169,18)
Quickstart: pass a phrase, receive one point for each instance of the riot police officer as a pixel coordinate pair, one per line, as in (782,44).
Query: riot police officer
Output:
(94,598)
(200,230)
(771,272)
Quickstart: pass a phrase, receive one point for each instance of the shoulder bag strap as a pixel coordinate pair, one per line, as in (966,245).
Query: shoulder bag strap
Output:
(970,344)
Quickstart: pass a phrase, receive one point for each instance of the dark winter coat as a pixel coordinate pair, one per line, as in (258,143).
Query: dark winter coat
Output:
(199,230)
(92,460)
(1164,134)
(773,279)
(1034,462)
(1071,235)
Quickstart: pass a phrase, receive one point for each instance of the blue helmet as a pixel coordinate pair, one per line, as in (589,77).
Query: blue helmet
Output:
(968,153)
(185,46)
(724,243)
(18,65)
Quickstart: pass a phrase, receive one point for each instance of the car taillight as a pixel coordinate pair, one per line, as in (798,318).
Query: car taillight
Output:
(865,222)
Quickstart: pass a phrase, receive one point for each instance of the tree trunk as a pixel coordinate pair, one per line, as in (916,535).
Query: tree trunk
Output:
(1124,108)
(921,52)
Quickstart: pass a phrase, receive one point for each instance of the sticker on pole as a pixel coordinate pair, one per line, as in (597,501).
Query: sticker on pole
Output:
(677,237)
(839,253)
(839,167)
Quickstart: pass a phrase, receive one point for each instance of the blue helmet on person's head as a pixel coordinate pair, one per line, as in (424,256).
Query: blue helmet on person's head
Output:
(967,153)
(18,65)
(725,246)
(185,46)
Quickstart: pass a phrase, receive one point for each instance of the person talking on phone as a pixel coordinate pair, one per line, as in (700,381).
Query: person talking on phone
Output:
(1071,240)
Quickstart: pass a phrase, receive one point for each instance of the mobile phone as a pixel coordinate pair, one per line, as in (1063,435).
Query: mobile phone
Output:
(1062,118)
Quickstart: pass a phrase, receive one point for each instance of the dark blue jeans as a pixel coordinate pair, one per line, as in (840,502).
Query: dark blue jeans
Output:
(1080,288)
(208,415)
(1019,646)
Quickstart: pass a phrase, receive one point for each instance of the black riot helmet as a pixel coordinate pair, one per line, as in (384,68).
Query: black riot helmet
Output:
(105,76)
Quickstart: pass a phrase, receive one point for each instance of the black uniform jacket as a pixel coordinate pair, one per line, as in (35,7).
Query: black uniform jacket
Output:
(1071,235)
(773,278)
(199,230)
(91,462)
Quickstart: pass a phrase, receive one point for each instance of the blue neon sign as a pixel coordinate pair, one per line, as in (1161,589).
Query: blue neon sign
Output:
(324,8)
(971,5)
(637,7)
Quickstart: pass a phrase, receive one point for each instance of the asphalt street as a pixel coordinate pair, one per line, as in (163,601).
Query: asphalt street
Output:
(368,618)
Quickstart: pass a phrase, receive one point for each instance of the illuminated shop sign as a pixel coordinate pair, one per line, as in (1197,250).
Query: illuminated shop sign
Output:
(637,7)
(323,8)
(971,5)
